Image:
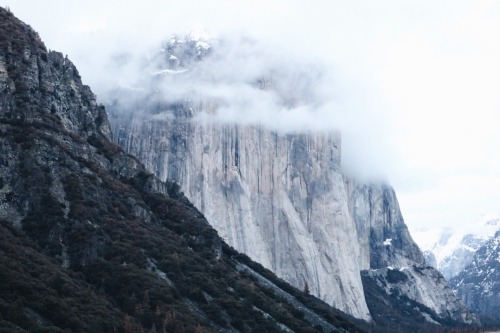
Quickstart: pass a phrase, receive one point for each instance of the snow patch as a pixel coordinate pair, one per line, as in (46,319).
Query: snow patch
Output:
(387,242)
(170,71)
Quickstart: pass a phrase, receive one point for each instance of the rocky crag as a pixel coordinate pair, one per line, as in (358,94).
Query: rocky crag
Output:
(92,242)
(279,197)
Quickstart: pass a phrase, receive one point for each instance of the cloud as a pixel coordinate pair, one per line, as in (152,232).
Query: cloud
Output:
(249,82)
(413,85)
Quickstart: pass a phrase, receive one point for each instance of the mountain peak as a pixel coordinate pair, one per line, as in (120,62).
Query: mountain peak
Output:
(182,51)
(44,85)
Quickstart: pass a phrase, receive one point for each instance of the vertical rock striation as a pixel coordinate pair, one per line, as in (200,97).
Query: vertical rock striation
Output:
(279,198)
(382,233)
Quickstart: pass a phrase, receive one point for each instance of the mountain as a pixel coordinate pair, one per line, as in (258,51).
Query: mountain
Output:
(478,284)
(450,251)
(278,196)
(416,297)
(469,258)
(92,242)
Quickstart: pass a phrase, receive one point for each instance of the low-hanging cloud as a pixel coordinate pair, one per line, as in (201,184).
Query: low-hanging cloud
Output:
(248,82)
(412,85)
(291,44)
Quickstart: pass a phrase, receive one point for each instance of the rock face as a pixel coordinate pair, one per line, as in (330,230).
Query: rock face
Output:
(478,284)
(382,233)
(416,297)
(281,198)
(91,242)
(38,84)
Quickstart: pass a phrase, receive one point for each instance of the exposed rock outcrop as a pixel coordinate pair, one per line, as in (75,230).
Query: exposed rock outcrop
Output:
(382,233)
(278,198)
(425,286)
(417,298)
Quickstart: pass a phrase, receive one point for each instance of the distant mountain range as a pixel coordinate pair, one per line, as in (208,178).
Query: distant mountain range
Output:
(469,257)
(478,284)
(451,250)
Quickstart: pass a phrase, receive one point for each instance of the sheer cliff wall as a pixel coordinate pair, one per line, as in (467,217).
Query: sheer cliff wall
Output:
(280,198)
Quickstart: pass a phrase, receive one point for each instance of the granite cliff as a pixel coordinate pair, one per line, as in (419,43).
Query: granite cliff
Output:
(280,197)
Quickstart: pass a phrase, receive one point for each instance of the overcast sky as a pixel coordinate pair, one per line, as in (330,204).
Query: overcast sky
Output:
(414,83)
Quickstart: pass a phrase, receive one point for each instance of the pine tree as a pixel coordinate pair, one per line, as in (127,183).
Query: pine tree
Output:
(306,288)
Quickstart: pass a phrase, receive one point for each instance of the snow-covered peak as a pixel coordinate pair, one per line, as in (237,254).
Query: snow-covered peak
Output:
(181,52)
(440,238)
(201,39)
(452,249)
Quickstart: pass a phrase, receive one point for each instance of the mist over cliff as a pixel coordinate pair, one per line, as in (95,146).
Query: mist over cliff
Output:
(424,73)
(257,154)
(251,82)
